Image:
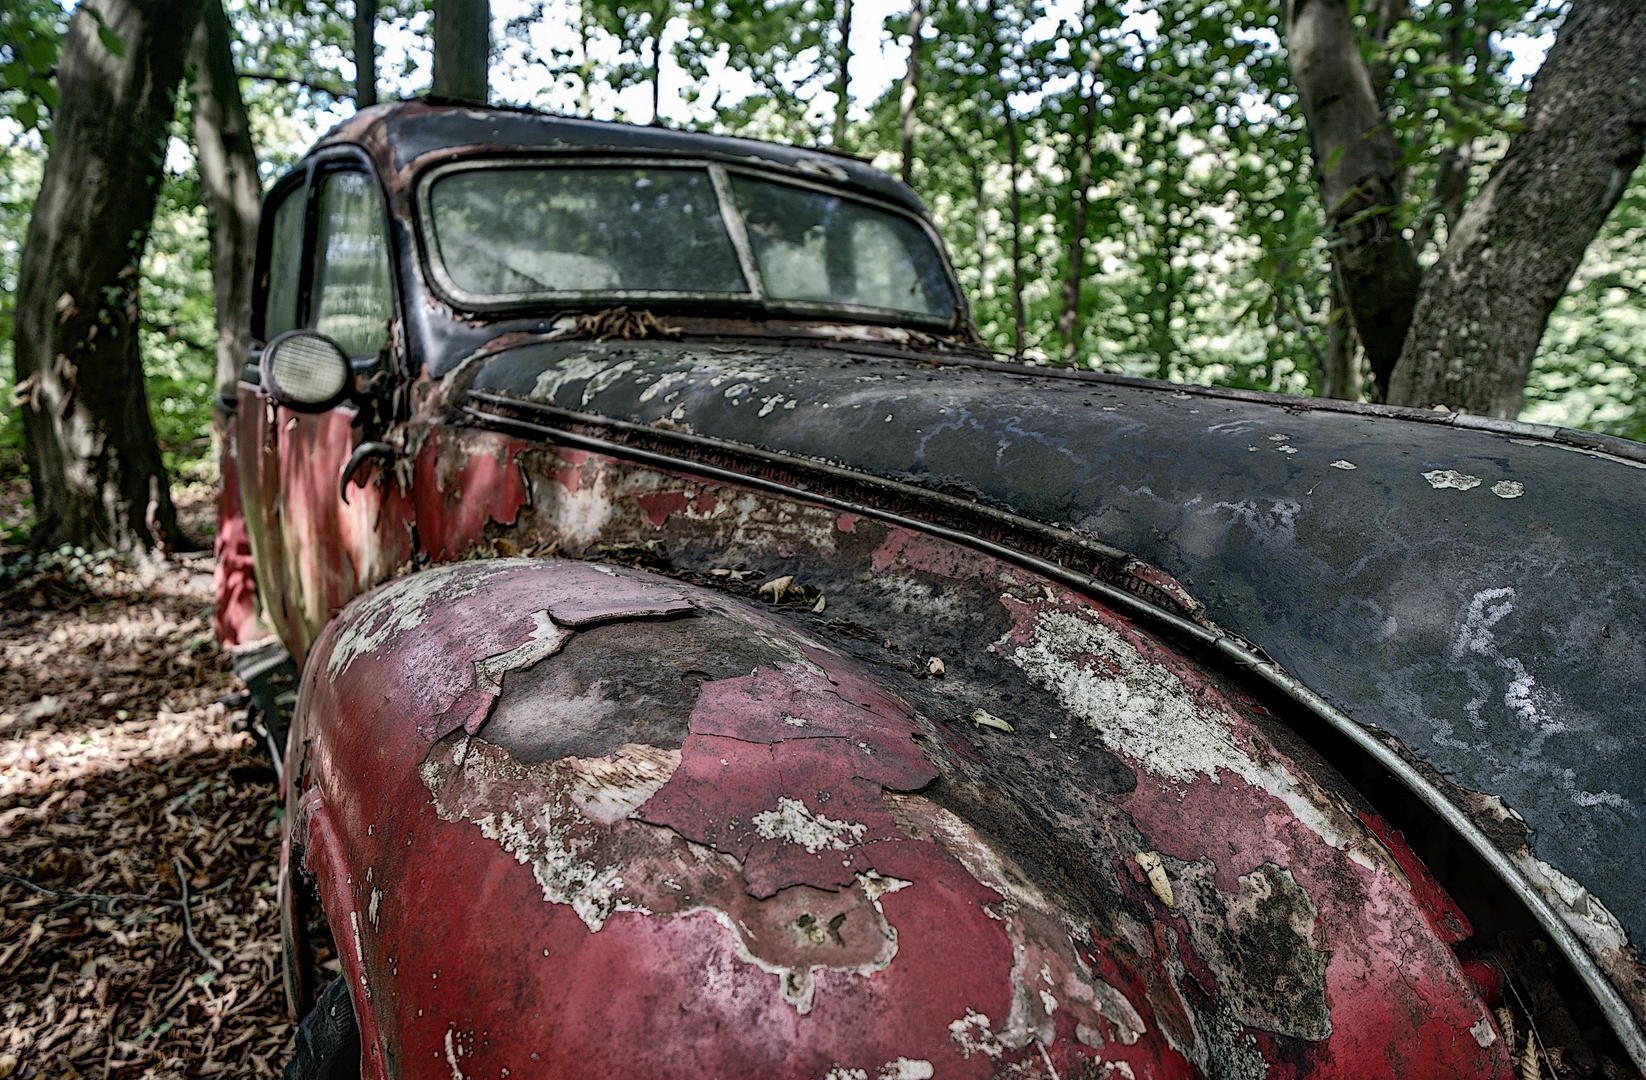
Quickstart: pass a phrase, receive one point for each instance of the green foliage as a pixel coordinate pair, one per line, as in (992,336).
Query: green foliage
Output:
(1204,258)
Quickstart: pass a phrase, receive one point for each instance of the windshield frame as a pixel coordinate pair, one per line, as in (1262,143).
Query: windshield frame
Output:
(731,218)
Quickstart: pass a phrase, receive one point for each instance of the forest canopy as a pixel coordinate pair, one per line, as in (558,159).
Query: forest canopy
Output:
(1169,135)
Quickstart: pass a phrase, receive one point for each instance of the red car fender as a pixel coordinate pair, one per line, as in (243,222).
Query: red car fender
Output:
(323,856)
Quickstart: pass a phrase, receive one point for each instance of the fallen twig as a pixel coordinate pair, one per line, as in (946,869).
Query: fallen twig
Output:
(188,923)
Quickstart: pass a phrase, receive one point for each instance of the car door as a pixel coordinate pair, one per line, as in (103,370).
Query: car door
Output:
(327,267)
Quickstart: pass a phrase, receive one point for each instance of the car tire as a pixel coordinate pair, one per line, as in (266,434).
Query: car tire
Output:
(328,1039)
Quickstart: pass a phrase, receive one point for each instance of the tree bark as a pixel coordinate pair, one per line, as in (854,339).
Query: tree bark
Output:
(1340,375)
(230,184)
(1068,323)
(462,49)
(909,101)
(657,73)
(1356,165)
(93,462)
(843,77)
(365,53)
(1016,203)
(1485,303)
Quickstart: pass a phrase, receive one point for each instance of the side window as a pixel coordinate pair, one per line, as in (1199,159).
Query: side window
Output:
(285,266)
(352,297)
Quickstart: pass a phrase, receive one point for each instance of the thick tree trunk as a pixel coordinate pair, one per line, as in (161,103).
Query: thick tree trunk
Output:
(1357,167)
(1016,203)
(842,84)
(462,49)
(229,181)
(365,53)
(1068,323)
(1484,305)
(909,101)
(93,462)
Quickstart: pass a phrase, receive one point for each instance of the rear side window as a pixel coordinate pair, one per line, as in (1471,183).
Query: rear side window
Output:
(353,296)
(285,266)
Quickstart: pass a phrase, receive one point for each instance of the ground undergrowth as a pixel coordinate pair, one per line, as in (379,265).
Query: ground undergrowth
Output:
(124,760)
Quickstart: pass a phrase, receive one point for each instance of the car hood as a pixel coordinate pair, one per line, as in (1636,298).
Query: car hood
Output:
(1475,592)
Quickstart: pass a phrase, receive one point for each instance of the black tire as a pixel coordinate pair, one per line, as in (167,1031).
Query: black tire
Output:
(328,1040)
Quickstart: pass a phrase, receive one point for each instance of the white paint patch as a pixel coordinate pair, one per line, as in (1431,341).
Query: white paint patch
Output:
(665,383)
(1450,478)
(371,908)
(1346,466)
(451,1057)
(1579,909)
(544,641)
(1508,489)
(906,1069)
(768,404)
(793,823)
(1483,1031)
(599,372)
(840,1072)
(609,789)
(1137,708)
(1286,449)
(1143,712)
(971,1033)
(359,953)
(383,614)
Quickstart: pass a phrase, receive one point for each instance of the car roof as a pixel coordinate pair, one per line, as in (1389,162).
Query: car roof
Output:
(400,134)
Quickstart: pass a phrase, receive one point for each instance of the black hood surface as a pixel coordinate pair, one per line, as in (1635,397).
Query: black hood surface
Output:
(1479,594)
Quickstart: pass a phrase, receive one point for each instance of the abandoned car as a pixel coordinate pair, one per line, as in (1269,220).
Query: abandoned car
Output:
(713,663)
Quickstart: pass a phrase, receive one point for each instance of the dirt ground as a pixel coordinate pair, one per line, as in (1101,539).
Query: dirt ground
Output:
(123,757)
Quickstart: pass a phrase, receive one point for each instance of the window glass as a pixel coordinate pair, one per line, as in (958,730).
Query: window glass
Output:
(523,232)
(285,264)
(353,298)
(818,247)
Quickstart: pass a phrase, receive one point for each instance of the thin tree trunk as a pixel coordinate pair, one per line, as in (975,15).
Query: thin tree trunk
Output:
(1016,203)
(1357,168)
(1486,302)
(229,181)
(1452,171)
(657,74)
(462,49)
(909,101)
(1340,374)
(94,466)
(842,84)
(1068,323)
(365,53)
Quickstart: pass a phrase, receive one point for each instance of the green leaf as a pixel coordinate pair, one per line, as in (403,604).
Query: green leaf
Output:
(1333,158)
(27,114)
(112,41)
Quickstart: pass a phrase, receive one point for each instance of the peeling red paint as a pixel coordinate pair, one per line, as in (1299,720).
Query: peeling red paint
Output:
(464,480)
(660,504)
(846,523)
(1442,911)
(235,617)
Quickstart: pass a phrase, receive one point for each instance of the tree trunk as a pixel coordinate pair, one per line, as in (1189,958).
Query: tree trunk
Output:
(230,184)
(1016,203)
(365,53)
(1340,374)
(1486,301)
(843,76)
(1356,164)
(462,49)
(910,98)
(1068,323)
(657,73)
(94,466)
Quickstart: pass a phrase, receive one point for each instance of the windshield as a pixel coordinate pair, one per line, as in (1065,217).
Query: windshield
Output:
(508,235)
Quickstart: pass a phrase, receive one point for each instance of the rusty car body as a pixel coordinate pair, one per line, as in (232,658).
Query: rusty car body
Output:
(698,680)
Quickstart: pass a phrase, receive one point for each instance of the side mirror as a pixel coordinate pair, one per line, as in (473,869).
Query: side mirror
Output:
(305,370)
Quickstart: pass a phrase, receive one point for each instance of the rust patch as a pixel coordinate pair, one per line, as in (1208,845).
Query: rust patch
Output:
(1260,946)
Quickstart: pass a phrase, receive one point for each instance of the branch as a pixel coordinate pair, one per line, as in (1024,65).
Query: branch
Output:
(295,80)
(188,923)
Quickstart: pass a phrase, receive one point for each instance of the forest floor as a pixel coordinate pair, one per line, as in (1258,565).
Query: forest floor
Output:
(123,761)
